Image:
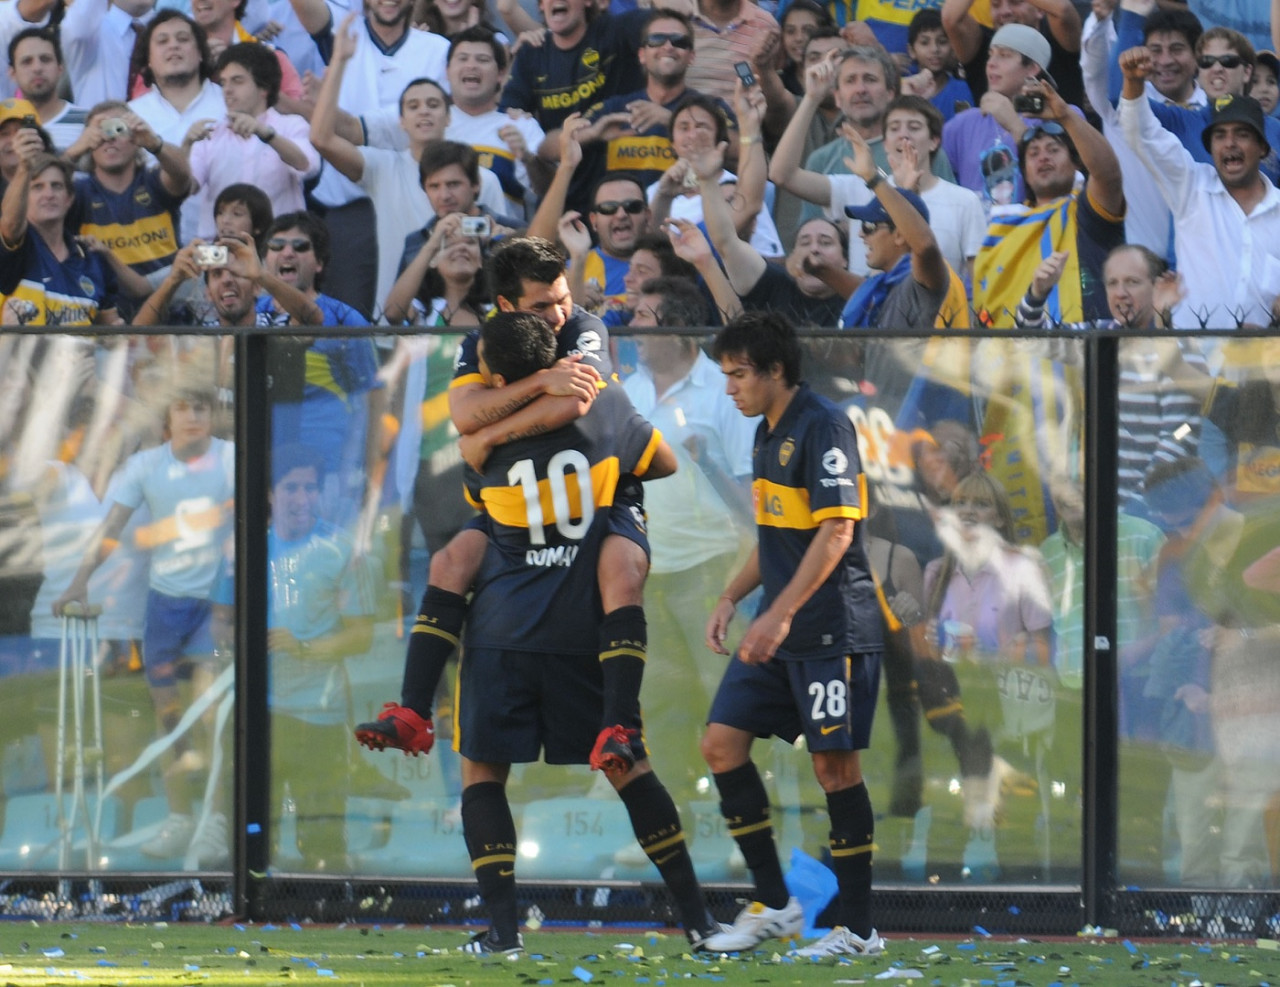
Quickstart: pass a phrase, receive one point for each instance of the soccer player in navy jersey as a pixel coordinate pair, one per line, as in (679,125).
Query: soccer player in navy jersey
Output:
(533,628)
(527,275)
(809,664)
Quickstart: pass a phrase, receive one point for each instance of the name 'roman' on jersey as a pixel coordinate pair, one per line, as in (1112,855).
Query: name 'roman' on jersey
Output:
(547,498)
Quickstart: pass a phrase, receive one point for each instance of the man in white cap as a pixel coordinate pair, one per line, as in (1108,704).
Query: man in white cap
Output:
(982,143)
(1057,21)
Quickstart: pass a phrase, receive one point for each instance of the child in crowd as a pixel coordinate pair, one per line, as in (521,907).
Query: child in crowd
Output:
(935,80)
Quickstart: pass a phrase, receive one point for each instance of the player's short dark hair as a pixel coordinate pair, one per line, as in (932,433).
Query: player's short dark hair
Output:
(256,201)
(929,19)
(313,227)
(139,61)
(422,80)
(616,176)
(519,259)
(295,456)
(1171,20)
(765,339)
(682,305)
(709,103)
(440,154)
(672,266)
(261,63)
(480,35)
(517,344)
(910,102)
(821,31)
(41,33)
(667,14)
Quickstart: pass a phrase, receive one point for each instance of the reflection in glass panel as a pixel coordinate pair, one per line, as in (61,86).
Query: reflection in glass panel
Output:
(971,450)
(972,453)
(1200,691)
(118,506)
(357,507)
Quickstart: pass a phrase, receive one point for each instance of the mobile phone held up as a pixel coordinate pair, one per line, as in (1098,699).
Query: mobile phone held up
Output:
(745,74)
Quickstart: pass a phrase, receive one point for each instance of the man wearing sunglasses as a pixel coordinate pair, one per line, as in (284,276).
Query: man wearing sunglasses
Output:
(636,126)
(319,391)
(585,57)
(1226,61)
(1226,216)
(620,216)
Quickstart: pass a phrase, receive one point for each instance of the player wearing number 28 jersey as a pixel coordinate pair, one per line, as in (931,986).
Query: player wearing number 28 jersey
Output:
(809,663)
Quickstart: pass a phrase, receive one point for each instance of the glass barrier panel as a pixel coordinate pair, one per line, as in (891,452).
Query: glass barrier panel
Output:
(1200,598)
(118,477)
(366,484)
(973,458)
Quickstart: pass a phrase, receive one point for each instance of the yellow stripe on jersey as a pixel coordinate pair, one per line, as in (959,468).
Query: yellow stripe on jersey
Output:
(779,506)
(593,270)
(32,304)
(487,153)
(319,373)
(466,379)
(506,505)
(891,11)
(651,450)
(148,238)
(891,621)
(849,511)
(493,858)
(640,154)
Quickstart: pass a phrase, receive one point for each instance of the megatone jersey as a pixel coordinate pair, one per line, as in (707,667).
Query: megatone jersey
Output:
(547,498)
(807,470)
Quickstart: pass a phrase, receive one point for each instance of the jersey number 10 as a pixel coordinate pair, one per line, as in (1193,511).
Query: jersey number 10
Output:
(559,468)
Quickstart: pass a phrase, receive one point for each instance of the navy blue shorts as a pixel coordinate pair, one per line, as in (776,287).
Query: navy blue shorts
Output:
(176,627)
(514,705)
(832,701)
(627,517)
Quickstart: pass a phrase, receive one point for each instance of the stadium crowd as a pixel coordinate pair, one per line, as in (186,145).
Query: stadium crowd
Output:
(853,167)
(1026,139)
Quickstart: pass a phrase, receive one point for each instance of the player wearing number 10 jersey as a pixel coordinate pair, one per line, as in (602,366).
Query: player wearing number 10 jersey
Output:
(530,679)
